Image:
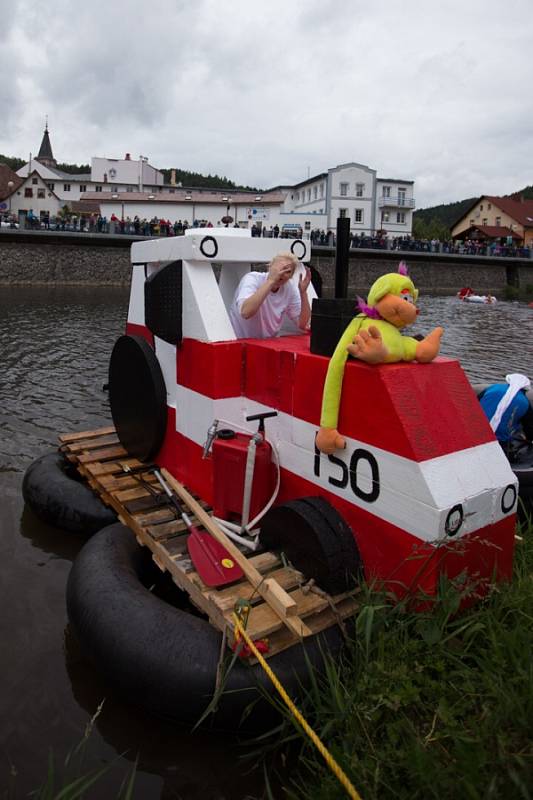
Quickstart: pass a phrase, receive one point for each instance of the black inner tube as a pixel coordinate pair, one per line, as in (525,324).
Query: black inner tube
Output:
(52,488)
(164,658)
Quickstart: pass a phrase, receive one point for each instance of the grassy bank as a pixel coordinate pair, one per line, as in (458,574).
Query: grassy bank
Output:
(429,706)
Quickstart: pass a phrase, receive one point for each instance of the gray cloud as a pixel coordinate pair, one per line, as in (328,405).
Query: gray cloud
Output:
(262,94)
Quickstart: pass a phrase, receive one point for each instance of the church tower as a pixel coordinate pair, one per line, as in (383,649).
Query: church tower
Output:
(46,157)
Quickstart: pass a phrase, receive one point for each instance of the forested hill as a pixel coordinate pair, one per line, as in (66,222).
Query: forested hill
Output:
(446,214)
(199,181)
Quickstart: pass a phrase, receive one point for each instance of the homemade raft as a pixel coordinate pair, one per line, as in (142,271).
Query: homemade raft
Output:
(284,609)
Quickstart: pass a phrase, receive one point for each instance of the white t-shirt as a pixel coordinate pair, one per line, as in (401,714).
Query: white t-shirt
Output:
(266,322)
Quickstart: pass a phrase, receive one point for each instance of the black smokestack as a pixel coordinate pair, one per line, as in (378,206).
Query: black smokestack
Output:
(342,252)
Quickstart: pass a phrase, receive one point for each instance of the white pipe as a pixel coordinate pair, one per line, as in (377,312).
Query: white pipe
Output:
(248,482)
(262,513)
(251,544)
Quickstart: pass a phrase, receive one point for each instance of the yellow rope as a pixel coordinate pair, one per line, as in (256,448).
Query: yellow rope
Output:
(330,761)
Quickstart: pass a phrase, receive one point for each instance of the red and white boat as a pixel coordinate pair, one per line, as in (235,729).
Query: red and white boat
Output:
(423,485)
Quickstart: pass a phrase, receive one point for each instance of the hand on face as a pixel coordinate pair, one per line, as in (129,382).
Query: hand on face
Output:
(280,272)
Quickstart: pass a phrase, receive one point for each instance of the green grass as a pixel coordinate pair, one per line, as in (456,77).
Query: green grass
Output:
(432,705)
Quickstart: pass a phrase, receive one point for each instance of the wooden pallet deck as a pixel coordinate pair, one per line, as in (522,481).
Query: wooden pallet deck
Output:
(103,463)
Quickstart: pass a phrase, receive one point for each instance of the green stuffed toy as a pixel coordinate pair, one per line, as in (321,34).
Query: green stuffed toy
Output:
(374,336)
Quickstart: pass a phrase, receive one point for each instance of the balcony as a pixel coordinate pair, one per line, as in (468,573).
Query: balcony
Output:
(396,202)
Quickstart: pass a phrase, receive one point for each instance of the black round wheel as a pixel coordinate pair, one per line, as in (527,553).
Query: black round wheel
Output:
(137,396)
(316,540)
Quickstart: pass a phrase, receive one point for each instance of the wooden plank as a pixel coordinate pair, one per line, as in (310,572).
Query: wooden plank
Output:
(166,529)
(103,455)
(116,483)
(149,510)
(283,605)
(74,437)
(279,607)
(130,494)
(282,640)
(112,467)
(225,599)
(263,562)
(262,621)
(93,444)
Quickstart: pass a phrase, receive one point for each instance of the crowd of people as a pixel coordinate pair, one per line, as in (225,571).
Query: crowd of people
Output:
(156,226)
(470,247)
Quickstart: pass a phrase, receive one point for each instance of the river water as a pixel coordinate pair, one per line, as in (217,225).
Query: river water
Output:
(55,350)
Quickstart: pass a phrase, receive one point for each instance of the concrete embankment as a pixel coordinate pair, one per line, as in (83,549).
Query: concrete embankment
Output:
(33,258)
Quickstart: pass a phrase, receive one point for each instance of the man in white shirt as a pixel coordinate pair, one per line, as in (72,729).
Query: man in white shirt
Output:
(262,298)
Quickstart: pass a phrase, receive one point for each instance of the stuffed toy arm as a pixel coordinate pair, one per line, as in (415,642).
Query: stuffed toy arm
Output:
(328,438)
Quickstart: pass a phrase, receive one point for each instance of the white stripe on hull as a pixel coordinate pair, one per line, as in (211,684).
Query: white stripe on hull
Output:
(414,496)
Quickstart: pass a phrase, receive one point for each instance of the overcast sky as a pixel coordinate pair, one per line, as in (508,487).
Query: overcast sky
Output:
(268,93)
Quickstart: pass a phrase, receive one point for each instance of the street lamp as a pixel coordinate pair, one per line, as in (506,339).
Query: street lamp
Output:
(143,160)
(10,185)
(115,197)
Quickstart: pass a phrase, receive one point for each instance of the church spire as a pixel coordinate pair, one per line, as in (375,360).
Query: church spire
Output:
(46,157)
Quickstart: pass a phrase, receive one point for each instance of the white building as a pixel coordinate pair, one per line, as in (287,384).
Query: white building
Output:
(107,175)
(128,188)
(354,191)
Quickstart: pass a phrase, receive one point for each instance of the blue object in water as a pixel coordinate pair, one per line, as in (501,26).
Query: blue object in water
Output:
(510,422)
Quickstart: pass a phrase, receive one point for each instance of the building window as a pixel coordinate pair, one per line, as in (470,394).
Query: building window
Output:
(481,207)
(297,196)
(386,191)
(359,215)
(308,195)
(97,188)
(83,188)
(66,187)
(385,217)
(472,222)
(401,197)
(321,190)
(359,189)
(343,212)
(315,192)
(344,189)
(484,221)
(498,221)
(40,194)
(28,192)
(400,217)
(51,186)
(130,189)
(489,206)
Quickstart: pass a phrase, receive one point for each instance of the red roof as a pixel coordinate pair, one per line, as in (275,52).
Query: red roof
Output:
(6,175)
(496,231)
(488,232)
(519,209)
